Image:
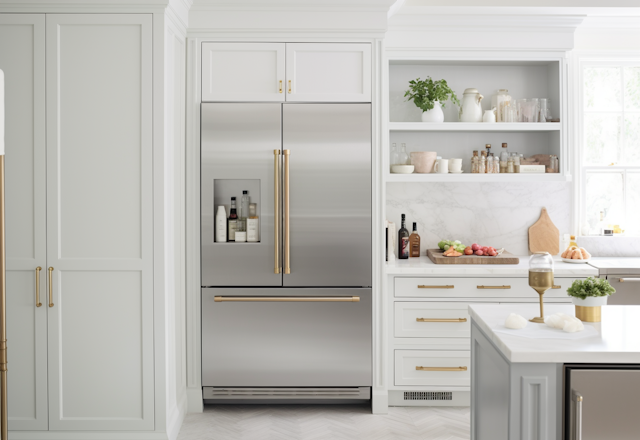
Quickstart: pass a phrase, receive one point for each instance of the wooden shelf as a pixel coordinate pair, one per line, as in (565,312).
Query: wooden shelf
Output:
(474,126)
(472,178)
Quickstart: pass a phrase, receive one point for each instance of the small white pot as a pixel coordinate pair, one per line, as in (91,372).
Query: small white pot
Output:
(433,115)
(489,116)
(590,301)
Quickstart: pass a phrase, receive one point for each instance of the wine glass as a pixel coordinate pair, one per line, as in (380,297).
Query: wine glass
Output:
(540,277)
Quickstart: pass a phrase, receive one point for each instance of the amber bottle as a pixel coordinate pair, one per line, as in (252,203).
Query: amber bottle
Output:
(414,242)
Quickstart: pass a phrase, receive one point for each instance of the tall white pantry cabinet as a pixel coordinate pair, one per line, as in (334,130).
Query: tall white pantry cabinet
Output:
(83,234)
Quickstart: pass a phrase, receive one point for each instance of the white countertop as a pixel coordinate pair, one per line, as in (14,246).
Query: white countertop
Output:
(618,340)
(424,266)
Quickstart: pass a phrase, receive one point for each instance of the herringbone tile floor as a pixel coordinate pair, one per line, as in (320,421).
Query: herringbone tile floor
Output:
(325,422)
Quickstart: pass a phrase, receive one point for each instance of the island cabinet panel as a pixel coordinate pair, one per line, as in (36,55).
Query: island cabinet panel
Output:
(483,288)
(431,367)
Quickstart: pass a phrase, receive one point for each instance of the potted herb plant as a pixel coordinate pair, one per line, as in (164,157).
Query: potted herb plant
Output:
(588,297)
(430,96)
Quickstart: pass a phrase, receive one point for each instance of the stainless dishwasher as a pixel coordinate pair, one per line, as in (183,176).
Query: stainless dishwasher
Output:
(624,276)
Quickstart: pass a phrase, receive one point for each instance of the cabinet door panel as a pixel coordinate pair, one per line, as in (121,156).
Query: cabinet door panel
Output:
(243,72)
(99,221)
(328,72)
(22,60)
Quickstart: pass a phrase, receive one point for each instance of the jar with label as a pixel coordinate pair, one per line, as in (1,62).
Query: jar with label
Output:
(474,162)
(253,224)
(504,158)
(489,164)
(516,162)
(482,168)
(496,164)
(510,166)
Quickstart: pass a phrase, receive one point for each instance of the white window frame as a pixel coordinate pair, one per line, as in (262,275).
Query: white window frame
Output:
(581,170)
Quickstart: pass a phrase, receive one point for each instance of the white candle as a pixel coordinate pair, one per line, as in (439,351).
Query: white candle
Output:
(1,112)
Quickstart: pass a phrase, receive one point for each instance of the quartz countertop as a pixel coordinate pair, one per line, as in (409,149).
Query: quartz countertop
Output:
(424,266)
(617,342)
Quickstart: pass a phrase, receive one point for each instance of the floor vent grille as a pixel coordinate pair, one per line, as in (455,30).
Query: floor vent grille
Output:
(428,395)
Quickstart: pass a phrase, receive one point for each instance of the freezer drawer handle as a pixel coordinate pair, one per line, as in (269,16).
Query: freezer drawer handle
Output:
(441,368)
(286,299)
(630,280)
(448,286)
(577,397)
(441,319)
(276,209)
(494,287)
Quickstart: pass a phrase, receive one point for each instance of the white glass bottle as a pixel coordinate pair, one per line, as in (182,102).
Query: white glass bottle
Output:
(252,224)
(221,225)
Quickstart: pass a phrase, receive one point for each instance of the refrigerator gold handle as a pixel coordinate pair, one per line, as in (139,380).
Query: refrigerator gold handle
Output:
(38,303)
(286,299)
(51,287)
(276,209)
(287,256)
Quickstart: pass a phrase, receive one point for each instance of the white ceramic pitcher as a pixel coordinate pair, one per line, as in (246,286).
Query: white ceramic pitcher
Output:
(471,109)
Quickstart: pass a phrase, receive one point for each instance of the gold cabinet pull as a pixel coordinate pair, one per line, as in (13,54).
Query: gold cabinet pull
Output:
(448,286)
(556,287)
(51,287)
(441,368)
(289,86)
(286,299)
(38,303)
(276,207)
(494,287)
(280,87)
(287,253)
(441,319)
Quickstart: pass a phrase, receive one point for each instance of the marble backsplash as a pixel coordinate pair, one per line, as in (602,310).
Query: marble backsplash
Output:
(491,214)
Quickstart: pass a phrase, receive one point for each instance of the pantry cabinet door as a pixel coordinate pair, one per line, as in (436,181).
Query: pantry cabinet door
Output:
(99,221)
(328,72)
(239,72)
(22,61)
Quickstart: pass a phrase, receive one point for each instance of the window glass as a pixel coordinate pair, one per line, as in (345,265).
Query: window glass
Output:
(633,204)
(605,192)
(632,88)
(602,88)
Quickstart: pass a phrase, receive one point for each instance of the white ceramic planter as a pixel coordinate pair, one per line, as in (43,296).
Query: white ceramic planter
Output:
(592,301)
(433,115)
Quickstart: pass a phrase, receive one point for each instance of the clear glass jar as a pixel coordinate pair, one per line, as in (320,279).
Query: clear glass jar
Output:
(500,101)
(403,157)
(496,164)
(482,169)
(474,162)
(516,162)
(510,166)
(544,110)
(393,159)
(489,164)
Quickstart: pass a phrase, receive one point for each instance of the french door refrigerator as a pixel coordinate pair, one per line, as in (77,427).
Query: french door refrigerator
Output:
(287,318)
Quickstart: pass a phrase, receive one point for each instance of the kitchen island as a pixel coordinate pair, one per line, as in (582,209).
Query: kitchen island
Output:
(518,383)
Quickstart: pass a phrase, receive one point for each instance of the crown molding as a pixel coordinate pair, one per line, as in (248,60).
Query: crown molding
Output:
(292,5)
(105,6)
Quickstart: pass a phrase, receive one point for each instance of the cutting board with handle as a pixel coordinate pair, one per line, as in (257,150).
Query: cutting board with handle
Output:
(544,236)
(437,256)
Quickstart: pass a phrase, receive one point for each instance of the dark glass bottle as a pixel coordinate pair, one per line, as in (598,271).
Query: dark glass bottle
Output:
(403,241)
(414,241)
(232,221)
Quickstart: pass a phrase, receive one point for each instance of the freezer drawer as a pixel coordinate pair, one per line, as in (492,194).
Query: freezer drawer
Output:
(600,402)
(286,337)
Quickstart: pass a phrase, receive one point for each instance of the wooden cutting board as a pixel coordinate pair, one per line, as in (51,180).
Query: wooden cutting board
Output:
(437,256)
(544,236)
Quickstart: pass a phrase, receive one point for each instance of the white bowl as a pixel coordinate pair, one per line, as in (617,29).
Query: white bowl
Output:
(402,169)
(568,260)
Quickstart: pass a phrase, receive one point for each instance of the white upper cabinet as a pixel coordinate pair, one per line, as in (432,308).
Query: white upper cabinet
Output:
(100,221)
(328,72)
(243,72)
(310,72)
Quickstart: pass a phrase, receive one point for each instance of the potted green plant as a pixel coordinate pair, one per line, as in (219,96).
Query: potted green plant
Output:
(588,296)
(430,97)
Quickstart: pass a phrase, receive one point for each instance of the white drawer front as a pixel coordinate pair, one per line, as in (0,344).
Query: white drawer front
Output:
(474,288)
(431,320)
(424,367)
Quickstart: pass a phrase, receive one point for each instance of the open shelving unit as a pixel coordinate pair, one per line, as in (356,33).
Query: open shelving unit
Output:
(524,78)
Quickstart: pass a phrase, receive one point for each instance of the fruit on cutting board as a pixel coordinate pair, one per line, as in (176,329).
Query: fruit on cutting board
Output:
(468,250)
(488,251)
(576,253)
(445,245)
(451,252)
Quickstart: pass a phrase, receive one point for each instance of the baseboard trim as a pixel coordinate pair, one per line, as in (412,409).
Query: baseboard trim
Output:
(379,402)
(175,419)
(194,400)
(86,435)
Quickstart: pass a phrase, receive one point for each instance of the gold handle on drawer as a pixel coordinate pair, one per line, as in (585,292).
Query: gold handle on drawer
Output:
(441,319)
(286,299)
(287,253)
(276,208)
(494,287)
(51,287)
(448,286)
(556,287)
(289,86)
(38,303)
(441,368)
(280,87)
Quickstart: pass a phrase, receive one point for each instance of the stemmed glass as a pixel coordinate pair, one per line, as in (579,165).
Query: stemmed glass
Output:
(540,277)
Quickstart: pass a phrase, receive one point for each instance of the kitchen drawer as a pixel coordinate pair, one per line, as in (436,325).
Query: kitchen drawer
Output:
(431,320)
(474,288)
(425,367)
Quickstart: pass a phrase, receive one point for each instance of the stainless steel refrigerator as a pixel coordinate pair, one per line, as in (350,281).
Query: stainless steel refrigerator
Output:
(287,318)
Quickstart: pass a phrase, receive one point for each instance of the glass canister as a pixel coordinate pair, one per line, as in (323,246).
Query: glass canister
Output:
(496,164)
(403,157)
(474,162)
(393,159)
(504,158)
(500,101)
(516,162)
(540,277)
(482,165)
(510,165)
(544,110)
(489,164)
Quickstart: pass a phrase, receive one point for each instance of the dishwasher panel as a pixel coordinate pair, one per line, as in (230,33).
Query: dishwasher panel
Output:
(277,337)
(627,290)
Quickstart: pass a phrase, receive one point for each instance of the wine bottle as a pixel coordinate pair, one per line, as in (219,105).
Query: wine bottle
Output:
(232,221)
(403,241)
(414,241)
